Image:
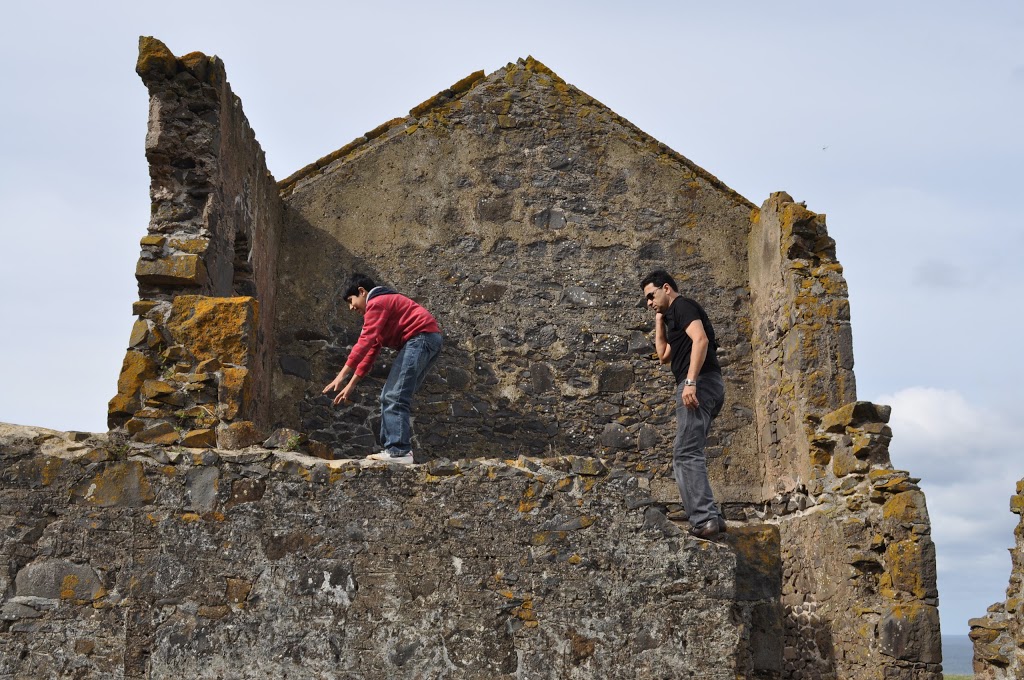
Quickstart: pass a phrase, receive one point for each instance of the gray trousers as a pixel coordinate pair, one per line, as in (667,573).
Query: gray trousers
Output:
(688,460)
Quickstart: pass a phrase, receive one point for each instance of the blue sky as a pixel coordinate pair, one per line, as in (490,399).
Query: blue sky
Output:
(900,121)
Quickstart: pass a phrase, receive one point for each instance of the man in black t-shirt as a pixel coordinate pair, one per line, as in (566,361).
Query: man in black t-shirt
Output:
(685,338)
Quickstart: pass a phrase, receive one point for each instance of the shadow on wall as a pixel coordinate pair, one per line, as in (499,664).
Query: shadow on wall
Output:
(459,410)
(812,652)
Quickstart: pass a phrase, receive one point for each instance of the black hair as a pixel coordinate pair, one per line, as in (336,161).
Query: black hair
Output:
(659,277)
(355,283)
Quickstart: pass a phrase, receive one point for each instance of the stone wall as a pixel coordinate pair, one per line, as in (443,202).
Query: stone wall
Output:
(544,522)
(132,561)
(523,214)
(999,635)
(859,588)
(197,367)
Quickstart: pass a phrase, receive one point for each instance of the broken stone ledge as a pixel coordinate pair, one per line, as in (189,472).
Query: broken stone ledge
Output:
(137,560)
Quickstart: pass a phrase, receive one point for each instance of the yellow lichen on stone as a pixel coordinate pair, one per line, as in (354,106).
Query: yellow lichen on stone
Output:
(135,370)
(237,591)
(201,438)
(243,433)
(428,104)
(140,330)
(193,246)
(152,389)
(49,469)
(907,507)
(383,127)
(234,392)
(215,328)
(155,59)
(1017,504)
(545,537)
(120,484)
(906,562)
(176,270)
(213,611)
(143,307)
(466,83)
(203,68)
(67,587)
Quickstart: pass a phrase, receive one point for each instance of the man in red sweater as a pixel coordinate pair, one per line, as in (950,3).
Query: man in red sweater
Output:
(389,320)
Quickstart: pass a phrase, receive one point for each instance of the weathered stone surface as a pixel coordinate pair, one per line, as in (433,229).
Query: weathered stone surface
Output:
(999,635)
(216,555)
(238,435)
(616,436)
(155,60)
(855,414)
(285,438)
(912,567)
(117,484)
(59,580)
(204,437)
(905,632)
(522,213)
(201,486)
(528,247)
(214,230)
(759,564)
(214,328)
(159,432)
(234,392)
(179,270)
(135,370)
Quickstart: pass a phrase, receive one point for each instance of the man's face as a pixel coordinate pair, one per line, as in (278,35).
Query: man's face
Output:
(357,303)
(657,298)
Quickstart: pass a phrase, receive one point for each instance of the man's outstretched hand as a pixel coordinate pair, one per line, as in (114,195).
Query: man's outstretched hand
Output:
(344,393)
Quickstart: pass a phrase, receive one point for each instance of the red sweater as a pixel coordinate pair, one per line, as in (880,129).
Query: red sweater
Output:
(390,320)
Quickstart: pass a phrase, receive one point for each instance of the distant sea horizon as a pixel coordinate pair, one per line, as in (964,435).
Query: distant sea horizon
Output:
(957,655)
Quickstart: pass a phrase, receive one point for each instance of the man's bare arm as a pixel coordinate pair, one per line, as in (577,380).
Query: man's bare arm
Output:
(339,380)
(697,355)
(661,345)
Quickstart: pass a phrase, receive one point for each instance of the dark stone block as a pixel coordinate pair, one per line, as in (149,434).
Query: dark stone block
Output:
(616,436)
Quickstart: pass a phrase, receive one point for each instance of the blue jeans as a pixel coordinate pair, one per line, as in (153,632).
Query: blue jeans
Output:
(407,374)
(688,460)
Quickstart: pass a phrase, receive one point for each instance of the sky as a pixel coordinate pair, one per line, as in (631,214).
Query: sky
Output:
(902,121)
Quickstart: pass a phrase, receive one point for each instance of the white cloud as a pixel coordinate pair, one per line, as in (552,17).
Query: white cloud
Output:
(941,431)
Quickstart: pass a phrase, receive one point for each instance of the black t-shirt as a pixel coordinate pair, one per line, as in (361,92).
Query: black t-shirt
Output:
(681,314)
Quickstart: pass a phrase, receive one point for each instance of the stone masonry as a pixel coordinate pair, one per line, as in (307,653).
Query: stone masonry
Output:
(197,368)
(842,509)
(999,635)
(132,561)
(541,533)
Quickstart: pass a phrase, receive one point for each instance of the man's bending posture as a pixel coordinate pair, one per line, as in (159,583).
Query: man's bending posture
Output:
(389,320)
(683,336)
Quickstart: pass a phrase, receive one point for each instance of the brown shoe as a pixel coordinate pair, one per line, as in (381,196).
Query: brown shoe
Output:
(708,529)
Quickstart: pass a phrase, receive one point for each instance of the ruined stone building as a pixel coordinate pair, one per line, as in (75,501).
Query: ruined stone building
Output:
(999,635)
(540,536)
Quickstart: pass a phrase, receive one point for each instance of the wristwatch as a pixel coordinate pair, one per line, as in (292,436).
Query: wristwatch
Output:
(689,383)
